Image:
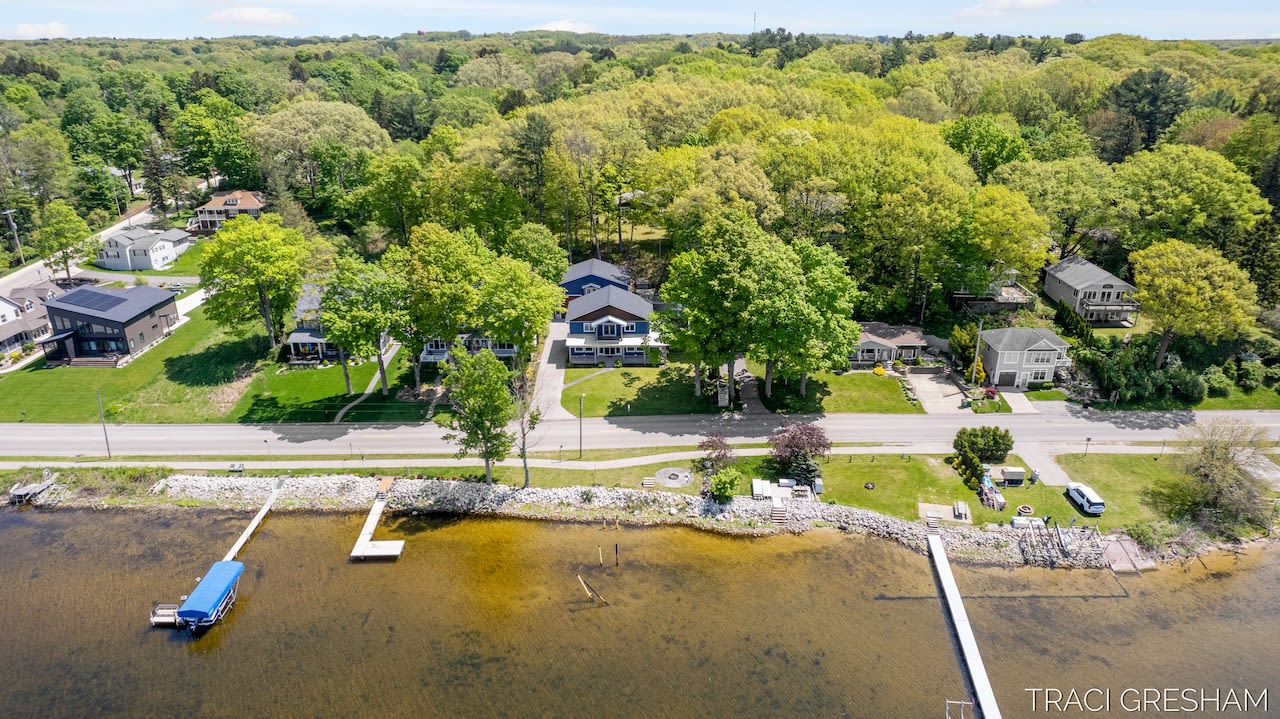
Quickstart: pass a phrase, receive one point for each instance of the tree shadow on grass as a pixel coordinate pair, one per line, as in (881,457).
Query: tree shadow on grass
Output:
(215,365)
(786,397)
(671,392)
(270,410)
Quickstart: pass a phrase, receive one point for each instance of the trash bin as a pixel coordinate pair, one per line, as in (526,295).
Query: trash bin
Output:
(817,485)
(966,403)
(1035,476)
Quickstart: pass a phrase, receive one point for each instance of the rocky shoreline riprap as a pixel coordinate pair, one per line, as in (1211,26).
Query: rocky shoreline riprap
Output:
(742,515)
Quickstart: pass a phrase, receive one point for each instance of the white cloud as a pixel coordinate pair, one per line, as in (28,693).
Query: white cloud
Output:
(997,8)
(567,26)
(253,16)
(33,31)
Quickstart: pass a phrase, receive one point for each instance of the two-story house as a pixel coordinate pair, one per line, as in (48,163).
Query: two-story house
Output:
(306,343)
(23,317)
(1018,356)
(588,276)
(880,342)
(141,249)
(225,205)
(610,325)
(436,350)
(1099,296)
(97,326)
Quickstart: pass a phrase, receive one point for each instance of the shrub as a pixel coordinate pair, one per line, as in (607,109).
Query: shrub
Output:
(28,346)
(794,441)
(989,444)
(1185,384)
(1273,375)
(878,371)
(1215,382)
(1250,375)
(725,483)
(718,452)
(1229,369)
(805,471)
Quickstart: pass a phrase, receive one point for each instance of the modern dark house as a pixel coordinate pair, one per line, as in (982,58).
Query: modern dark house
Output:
(93,326)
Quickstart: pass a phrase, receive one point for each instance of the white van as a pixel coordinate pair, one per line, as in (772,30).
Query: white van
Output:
(1087,499)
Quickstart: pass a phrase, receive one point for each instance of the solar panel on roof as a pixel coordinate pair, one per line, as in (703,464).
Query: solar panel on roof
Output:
(91,300)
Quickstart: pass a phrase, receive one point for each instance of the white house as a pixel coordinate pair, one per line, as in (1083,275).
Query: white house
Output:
(1099,296)
(23,317)
(142,249)
(1018,356)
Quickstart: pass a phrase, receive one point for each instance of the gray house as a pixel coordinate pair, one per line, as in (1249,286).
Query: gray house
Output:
(1018,356)
(141,249)
(880,342)
(1099,296)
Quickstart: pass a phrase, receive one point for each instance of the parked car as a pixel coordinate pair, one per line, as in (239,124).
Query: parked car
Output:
(1085,498)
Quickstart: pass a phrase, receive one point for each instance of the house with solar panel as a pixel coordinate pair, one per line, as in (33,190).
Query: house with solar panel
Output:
(97,327)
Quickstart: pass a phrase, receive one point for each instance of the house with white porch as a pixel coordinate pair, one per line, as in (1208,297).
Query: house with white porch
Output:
(1099,296)
(611,325)
(141,249)
(880,342)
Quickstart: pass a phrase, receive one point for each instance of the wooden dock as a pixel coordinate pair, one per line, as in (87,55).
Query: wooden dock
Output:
(985,698)
(368,548)
(253,526)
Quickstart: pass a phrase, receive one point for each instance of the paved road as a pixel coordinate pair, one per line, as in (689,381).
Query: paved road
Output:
(1065,432)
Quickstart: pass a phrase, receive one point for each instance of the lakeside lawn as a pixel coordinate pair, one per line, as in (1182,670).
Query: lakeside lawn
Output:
(391,409)
(1121,480)
(198,374)
(831,393)
(636,391)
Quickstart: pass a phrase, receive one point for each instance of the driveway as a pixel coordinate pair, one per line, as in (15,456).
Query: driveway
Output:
(1018,402)
(937,393)
(550,382)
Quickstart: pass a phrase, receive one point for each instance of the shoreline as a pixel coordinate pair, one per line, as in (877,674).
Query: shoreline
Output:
(741,516)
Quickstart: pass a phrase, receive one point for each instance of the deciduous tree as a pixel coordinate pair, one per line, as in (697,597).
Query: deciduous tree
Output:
(1189,290)
(482,405)
(535,244)
(252,270)
(359,304)
(63,238)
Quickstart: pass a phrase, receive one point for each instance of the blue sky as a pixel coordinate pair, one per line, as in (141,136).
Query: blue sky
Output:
(190,18)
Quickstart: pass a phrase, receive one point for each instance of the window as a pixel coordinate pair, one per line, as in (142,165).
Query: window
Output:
(589,288)
(1041,357)
(1106,296)
(608,329)
(610,351)
(141,338)
(1040,375)
(130,344)
(1090,295)
(630,328)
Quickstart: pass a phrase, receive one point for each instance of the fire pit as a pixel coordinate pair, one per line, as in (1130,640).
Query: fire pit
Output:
(673,477)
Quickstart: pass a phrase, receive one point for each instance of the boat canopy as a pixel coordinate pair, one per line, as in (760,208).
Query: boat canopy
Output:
(202,605)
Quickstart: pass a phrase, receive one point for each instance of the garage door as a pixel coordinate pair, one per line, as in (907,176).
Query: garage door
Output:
(1008,379)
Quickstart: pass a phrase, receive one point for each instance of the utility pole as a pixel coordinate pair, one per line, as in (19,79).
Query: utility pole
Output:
(977,352)
(13,226)
(580,398)
(102,418)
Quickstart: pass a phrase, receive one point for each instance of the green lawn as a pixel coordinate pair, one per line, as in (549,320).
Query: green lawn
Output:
(304,394)
(1142,327)
(1260,398)
(378,408)
(992,406)
(1120,479)
(199,374)
(187,264)
(638,391)
(1046,395)
(837,393)
(182,379)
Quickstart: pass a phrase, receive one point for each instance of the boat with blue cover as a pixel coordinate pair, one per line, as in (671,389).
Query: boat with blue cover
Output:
(212,598)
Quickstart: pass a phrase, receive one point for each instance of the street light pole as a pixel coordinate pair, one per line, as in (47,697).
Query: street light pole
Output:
(1087,440)
(101,418)
(13,227)
(580,398)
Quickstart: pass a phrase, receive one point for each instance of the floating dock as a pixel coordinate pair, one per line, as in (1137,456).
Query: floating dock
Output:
(985,697)
(368,548)
(215,593)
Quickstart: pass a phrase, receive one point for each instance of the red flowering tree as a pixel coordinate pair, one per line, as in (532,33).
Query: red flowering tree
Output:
(793,442)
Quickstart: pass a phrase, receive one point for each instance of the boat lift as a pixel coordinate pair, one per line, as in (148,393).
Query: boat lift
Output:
(215,593)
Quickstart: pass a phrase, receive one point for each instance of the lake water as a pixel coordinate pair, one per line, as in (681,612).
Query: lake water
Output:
(487,618)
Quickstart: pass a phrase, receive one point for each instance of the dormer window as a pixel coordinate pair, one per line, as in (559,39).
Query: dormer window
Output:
(589,288)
